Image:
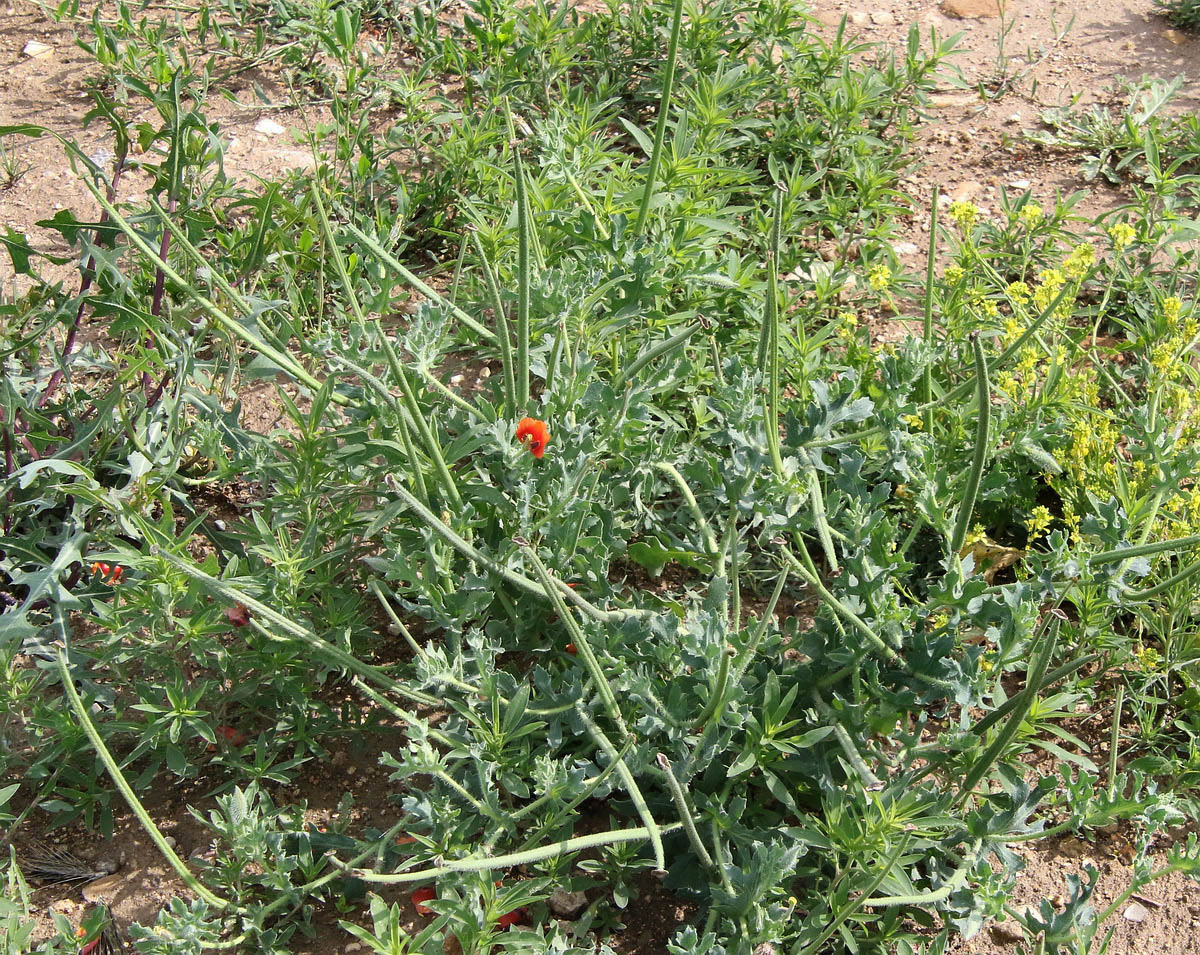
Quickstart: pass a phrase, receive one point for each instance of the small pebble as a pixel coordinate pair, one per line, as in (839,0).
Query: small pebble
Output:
(1135,913)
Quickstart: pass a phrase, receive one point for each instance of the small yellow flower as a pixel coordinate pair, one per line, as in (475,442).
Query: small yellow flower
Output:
(1162,357)
(913,421)
(879,278)
(964,214)
(1030,215)
(1172,308)
(1082,258)
(977,535)
(954,274)
(1146,658)
(1018,293)
(1122,234)
(1038,521)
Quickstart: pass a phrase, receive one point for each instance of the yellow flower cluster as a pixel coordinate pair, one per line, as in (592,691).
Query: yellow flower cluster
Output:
(1147,659)
(1082,258)
(1187,328)
(847,324)
(1121,235)
(1030,215)
(1050,283)
(879,278)
(1018,293)
(1038,522)
(954,274)
(1091,456)
(1012,330)
(964,214)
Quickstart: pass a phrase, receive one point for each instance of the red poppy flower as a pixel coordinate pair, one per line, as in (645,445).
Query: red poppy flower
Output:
(509,919)
(534,435)
(231,735)
(572,649)
(117,571)
(421,896)
(228,735)
(238,615)
(100,568)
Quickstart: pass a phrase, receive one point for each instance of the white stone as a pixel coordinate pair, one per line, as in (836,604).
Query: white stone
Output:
(36,50)
(1135,913)
(268,127)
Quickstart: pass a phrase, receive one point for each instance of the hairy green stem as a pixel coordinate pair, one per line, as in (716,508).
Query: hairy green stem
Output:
(332,653)
(408,395)
(809,575)
(689,499)
(394,264)
(1114,742)
(502,330)
(517,580)
(885,869)
(527,857)
(926,898)
(1141,550)
(582,643)
(664,109)
(1033,682)
(625,376)
(927,375)
(523,281)
(123,787)
(853,756)
(820,518)
(631,787)
(967,506)
(685,813)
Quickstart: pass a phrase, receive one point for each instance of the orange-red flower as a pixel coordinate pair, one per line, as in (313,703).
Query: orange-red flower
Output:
(421,896)
(534,435)
(509,919)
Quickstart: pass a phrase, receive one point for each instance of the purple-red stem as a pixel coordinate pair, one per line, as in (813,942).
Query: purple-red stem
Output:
(156,306)
(8,470)
(85,283)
